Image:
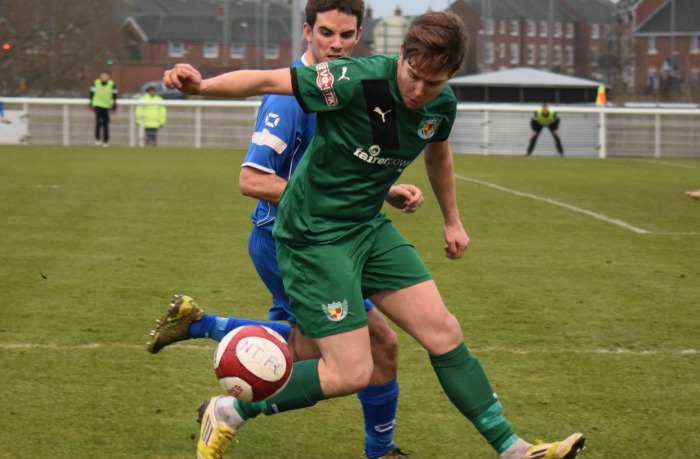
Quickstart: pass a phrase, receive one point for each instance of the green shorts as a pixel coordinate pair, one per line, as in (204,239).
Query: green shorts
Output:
(327,283)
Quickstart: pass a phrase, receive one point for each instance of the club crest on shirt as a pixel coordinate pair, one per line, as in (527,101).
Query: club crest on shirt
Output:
(427,127)
(324,80)
(336,311)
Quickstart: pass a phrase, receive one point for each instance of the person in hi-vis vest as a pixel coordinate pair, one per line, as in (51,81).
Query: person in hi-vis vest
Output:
(544,118)
(152,116)
(103,100)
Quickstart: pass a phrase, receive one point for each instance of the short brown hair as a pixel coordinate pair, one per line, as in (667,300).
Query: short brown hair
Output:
(353,7)
(436,42)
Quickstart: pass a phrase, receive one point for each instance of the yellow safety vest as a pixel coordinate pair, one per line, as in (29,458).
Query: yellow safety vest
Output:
(151,115)
(102,94)
(545,120)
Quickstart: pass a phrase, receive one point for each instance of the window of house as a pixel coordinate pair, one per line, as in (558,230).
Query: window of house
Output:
(695,76)
(557,29)
(695,44)
(569,52)
(489,27)
(543,28)
(556,55)
(272,52)
(651,45)
(543,54)
(595,31)
(237,50)
(594,57)
(530,28)
(530,57)
(652,79)
(502,27)
(502,50)
(210,50)
(514,28)
(176,49)
(514,53)
(569,30)
(488,53)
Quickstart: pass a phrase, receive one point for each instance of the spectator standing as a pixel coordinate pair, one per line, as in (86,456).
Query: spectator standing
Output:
(103,100)
(151,116)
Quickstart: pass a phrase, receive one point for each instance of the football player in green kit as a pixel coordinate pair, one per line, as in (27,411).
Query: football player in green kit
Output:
(335,247)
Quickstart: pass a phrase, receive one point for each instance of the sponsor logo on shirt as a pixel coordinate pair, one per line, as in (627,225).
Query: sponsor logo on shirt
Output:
(336,311)
(324,80)
(427,127)
(372,156)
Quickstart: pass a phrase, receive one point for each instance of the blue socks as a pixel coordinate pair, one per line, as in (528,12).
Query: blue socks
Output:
(379,408)
(211,326)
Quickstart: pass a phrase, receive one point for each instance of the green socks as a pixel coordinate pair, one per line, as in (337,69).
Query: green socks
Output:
(302,390)
(470,391)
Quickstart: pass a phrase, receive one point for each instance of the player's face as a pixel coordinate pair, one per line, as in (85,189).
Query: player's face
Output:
(418,87)
(334,35)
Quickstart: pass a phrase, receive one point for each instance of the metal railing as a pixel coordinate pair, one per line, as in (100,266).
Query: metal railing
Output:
(489,129)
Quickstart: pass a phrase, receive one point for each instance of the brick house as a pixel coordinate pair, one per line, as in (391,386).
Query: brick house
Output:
(560,35)
(214,36)
(667,48)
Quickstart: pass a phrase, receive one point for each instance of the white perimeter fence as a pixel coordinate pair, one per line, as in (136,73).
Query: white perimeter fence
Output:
(492,129)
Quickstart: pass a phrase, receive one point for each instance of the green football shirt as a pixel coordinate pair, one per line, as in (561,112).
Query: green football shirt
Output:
(365,137)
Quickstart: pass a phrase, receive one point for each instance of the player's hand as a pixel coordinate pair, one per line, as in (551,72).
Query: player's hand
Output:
(456,240)
(184,78)
(406,197)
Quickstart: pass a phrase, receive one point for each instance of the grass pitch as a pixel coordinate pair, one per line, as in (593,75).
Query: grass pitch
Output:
(579,294)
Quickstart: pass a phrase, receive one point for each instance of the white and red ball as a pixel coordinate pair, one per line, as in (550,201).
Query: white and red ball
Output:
(252,363)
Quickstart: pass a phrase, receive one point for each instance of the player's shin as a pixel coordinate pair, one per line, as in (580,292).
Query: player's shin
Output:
(302,390)
(468,388)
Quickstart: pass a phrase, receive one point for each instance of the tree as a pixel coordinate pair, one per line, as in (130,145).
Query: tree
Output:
(51,41)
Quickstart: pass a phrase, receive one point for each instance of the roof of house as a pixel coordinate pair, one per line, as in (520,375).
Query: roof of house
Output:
(523,77)
(593,11)
(202,21)
(516,9)
(687,19)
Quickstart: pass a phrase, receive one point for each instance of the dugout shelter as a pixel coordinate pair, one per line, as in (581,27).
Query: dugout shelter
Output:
(524,85)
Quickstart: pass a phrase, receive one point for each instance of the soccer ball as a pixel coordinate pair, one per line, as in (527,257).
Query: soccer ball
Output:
(252,363)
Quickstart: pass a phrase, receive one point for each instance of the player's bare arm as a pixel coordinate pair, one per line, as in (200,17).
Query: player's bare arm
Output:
(262,185)
(233,85)
(438,164)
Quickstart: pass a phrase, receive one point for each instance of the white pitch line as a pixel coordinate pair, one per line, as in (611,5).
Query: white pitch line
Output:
(477,350)
(664,163)
(595,215)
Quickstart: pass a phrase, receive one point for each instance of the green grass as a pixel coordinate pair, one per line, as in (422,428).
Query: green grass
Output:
(581,322)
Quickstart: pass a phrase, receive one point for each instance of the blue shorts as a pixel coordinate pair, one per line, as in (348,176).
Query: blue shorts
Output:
(262,251)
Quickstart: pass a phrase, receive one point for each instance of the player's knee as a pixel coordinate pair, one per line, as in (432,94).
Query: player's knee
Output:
(446,336)
(348,380)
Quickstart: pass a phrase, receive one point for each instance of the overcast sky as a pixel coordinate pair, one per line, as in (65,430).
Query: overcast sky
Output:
(384,8)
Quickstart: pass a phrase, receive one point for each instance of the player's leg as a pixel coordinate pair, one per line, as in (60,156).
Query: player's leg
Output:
(186,320)
(380,398)
(536,129)
(554,129)
(345,367)
(404,291)
(419,310)
(693,194)
(98,125)
(105,127)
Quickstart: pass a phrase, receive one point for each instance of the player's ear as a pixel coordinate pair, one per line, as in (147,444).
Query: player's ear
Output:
(307,32)
(358,35)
